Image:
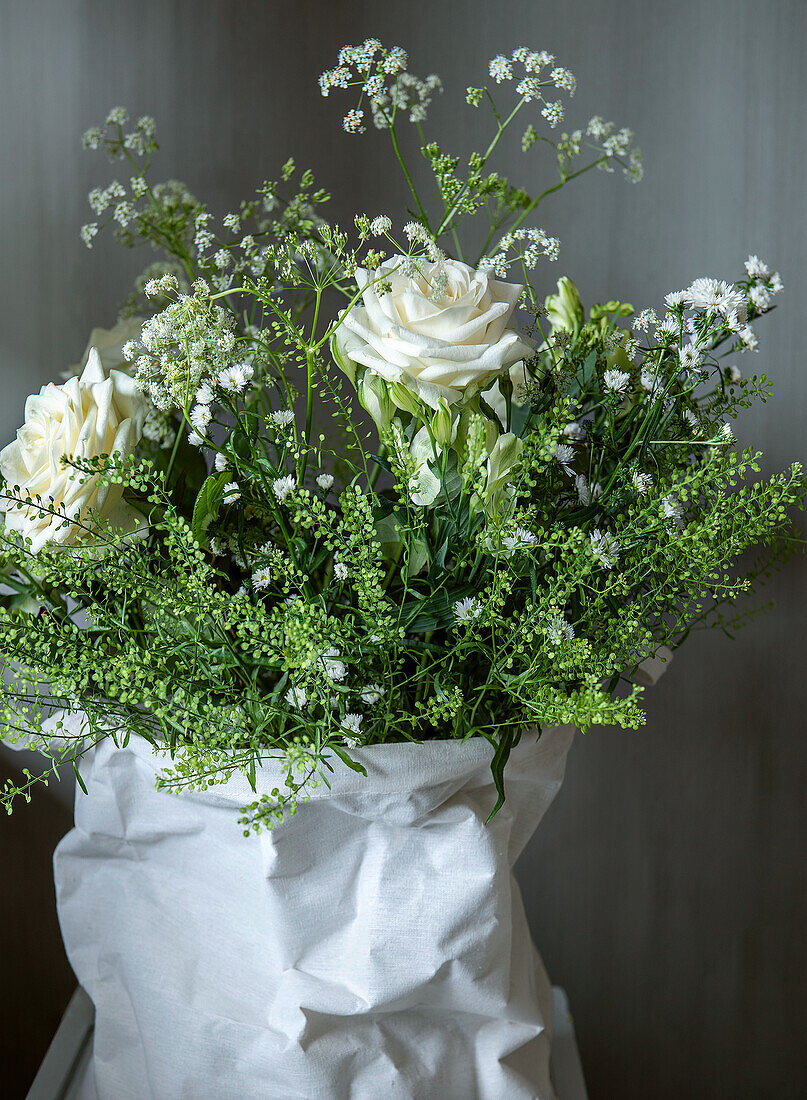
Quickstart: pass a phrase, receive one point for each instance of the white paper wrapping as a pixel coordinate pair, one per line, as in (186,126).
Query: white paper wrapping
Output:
(372,947)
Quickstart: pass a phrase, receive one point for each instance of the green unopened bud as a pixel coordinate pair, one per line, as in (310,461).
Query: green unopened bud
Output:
(405,399)
(564,309)
(442,424)
(374,396)
(605,309)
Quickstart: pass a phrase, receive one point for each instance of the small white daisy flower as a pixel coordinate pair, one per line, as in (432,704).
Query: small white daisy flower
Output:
(617,381)
(372,694)
(200,417)
(351,726)
(282,486)
(466,610)
(296,697)
(233,379)
(605,548)
(282,418)
(642,483)
(220,462)
(520,539)
(204,395)
(325,481)
(560,631)
(335,669)
(231,493)
(565,455)
(261,579)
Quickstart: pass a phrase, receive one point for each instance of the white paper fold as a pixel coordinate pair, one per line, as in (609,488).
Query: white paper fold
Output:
(372,947)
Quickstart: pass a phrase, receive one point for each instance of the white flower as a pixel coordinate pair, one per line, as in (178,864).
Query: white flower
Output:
(519,539)
(340,571)
(749,339)
(200,417)
(574,431)
(675,299)
(372,694)
(642,483)
(282,486)
(713,294)
(565,456)
(605,548)
(552,112)
(220,462)
(560,631)
(645,319)
(617,381)
(380,225)
(466,610)
(231,493)
(756,268)
(204,395)
(500,68)
(689,356)
(351,725)
(261,578)
(233,379)
(85,417)
(87,232)
(733,374)
(282,418)
(759,297)
(439,345)
(585,492)
(325,481)
(352,122)
(296,697)
(672,511)
(335,669)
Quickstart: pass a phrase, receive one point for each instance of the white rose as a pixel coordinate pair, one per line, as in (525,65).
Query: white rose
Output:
(450,346)
(88,416)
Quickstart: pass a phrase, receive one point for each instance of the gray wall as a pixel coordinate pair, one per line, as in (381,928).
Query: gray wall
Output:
(664,889)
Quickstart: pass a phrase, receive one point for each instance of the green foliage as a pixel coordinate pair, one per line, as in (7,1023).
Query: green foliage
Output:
(455,570)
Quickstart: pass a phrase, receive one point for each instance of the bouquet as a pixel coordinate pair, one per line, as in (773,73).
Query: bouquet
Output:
(333,486)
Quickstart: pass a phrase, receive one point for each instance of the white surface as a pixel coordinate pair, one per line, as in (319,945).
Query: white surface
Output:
(67,1061)
(374,945)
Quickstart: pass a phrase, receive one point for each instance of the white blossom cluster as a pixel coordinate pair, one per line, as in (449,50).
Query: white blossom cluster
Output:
(538,244)
(763,285)
(187,350)
(616,145)
(140,140)
(708,304)
(379,74)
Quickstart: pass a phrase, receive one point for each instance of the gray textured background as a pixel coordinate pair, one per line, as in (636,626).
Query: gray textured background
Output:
(665,889)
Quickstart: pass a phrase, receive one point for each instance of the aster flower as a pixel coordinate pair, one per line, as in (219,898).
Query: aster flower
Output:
(282,486)
(466,610)
(617,381)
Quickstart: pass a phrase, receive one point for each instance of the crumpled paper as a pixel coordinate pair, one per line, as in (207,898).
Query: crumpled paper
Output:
(372,946)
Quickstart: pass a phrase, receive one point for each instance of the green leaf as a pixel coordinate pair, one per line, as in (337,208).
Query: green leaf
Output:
(206,508)
(352,764)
